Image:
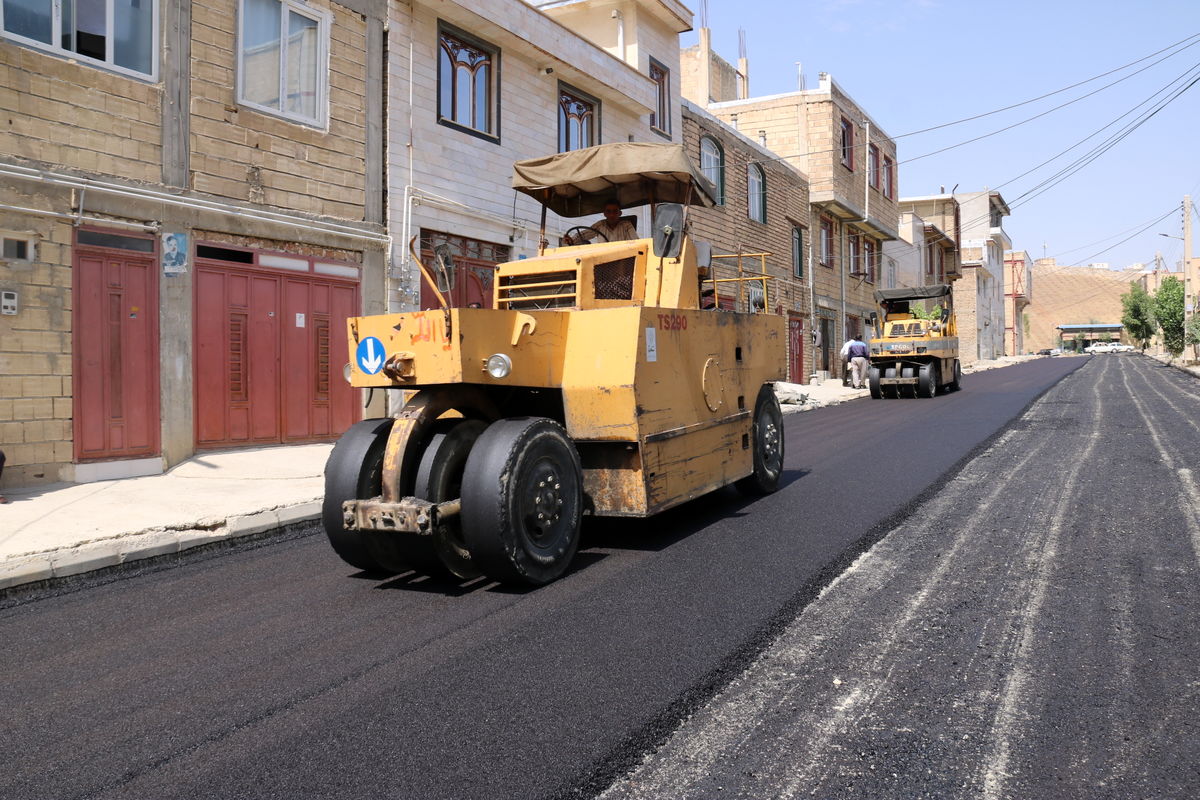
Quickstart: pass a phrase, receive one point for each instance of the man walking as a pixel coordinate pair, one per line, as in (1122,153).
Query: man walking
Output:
(3,499)
(856,350)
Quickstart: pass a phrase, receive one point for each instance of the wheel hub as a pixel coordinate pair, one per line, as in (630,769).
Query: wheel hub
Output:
(770,442)
(547,502)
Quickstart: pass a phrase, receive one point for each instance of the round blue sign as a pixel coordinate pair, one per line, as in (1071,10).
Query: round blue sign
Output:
(370,355)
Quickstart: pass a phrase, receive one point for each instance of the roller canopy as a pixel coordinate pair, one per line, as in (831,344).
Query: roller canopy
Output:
(581,182)
(917,293)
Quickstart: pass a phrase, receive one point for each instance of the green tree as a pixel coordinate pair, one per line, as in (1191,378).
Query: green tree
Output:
(1106,337)
(1079,342)
(1138,314)
(1192,335)
(1168,312)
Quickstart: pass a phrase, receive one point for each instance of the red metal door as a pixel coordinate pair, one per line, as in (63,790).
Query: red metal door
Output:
(115,336)
(268,357)
(795,349)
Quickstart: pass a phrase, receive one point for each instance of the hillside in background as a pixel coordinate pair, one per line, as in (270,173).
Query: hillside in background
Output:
(1064,295)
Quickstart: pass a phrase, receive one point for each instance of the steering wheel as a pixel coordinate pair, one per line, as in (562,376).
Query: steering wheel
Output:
(562,242)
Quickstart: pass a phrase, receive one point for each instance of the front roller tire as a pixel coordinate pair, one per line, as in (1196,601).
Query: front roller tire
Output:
(522,500)
(928,380)
(354,471)
(873,382)
(766,441)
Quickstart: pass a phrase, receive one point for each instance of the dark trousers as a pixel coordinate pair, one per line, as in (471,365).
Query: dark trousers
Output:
(1,463)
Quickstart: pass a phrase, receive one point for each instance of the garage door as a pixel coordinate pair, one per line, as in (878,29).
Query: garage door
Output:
(270,347)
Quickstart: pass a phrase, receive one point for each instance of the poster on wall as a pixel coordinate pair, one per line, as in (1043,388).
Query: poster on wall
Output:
(174,253)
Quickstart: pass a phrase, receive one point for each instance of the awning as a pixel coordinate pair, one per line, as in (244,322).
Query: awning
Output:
(581,182)
(916,293)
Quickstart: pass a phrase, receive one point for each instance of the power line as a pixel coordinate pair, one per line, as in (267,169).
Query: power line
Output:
(1059,91)
(1126,239)
(1111,236)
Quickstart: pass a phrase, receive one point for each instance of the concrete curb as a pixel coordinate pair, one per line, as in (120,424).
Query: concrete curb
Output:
(68,562)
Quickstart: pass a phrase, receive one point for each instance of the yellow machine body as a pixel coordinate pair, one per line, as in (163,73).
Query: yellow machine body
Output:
(656,394)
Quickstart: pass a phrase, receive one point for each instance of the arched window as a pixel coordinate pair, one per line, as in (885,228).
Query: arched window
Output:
(712,165)
(756,193)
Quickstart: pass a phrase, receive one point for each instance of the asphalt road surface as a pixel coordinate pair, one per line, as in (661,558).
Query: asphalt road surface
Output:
(1029,632)
(273,670)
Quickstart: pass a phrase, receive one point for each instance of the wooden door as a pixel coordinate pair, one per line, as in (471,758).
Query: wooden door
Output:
(796,349)
(115,342)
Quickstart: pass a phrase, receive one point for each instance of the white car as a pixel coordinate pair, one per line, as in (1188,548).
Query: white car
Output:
(1098,347)
(1118,347)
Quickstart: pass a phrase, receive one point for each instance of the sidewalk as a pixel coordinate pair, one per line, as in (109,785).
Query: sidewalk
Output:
(65,529)
(62,529)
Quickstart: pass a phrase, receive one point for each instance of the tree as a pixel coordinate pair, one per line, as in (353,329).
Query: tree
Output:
(1080,341)
(1192,336)
(1168,312)
(1138,314)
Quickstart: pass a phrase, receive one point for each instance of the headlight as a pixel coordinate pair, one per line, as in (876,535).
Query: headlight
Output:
(347,371)
(498,365)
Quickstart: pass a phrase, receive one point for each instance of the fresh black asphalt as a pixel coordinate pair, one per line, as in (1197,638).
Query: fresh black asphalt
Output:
(277,671)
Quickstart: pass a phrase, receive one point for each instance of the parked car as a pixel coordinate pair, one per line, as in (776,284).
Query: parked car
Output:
(1119,347)
(1099,347)
(1046,352)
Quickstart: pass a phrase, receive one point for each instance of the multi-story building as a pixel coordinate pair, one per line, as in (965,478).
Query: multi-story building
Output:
(478,85)
(927,250)
(193,205)
(979,294)
(759,225)
(850,162)
(1018,294)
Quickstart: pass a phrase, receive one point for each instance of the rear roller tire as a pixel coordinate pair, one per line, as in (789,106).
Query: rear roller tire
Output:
(928,380)
(766,441)
(873,382)
(892,390)
(439,478)
(956,384)
(522,496)
(354,471)
(908,389)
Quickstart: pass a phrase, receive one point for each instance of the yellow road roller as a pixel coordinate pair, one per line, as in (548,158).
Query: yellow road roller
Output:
(914,352)
(595,385)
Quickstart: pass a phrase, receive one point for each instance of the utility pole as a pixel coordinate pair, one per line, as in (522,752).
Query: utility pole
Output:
(1191,282)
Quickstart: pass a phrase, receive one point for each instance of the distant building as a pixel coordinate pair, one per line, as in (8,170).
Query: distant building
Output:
(979,295)
(1018,294)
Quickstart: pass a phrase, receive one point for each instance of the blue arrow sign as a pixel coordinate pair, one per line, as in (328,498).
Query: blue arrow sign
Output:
(370,355)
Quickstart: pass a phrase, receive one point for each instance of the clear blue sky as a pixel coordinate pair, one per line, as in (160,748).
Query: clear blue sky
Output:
(912,64)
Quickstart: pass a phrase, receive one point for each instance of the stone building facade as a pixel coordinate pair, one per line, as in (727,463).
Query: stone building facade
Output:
(763,216)
(1018,294)
(194,201)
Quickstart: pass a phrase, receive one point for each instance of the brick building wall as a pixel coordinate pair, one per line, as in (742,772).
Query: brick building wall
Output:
(171,150)
(730,230)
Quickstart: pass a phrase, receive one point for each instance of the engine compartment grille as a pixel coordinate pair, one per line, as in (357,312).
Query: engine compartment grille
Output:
(539,292)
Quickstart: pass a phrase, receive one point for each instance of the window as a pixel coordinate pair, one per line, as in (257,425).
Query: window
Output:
(873,166)
(756,193)
(712,164)
(578,119)
(121,34)
(282,62)
(798,252)
(14,247)
(855,264)
(847,143)
(827,241)
(870,259)
(660,118)
(467,83)
(889,178)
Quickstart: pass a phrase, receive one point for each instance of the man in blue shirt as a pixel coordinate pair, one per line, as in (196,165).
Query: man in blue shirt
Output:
(856,350)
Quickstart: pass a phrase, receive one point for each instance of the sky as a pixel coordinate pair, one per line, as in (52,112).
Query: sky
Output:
(914,64)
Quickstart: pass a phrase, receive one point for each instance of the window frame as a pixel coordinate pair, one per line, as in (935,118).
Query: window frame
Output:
(57,50)
(720,182)
(752,169)
(662,98)
(847,143)
(324,20)
(889,178)
(871,250)
(854,254)
(492,134)
(29,240)
(873,163)
(798,232)
(580,96)
(827,245)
